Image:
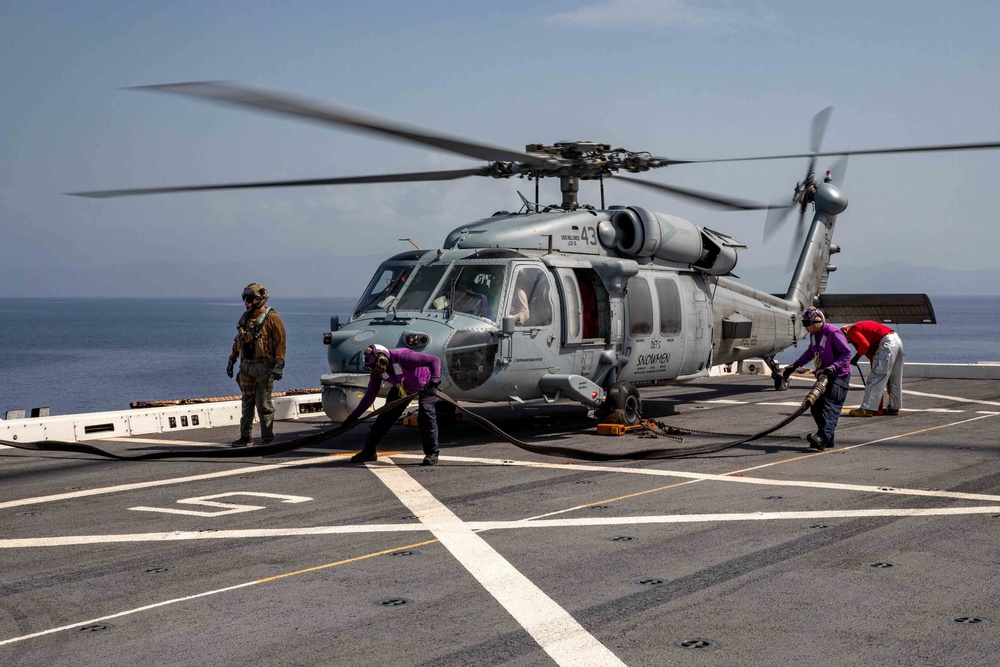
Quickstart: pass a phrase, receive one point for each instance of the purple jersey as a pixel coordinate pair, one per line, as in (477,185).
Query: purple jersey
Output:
(409,369)
(830,344)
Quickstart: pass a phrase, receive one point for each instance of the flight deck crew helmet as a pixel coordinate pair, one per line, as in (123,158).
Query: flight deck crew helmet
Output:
(255,295)
(376,357)
(813,316)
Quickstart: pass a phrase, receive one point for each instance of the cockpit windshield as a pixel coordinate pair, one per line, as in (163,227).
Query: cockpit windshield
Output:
(385,286)
(474,289)
(421,287)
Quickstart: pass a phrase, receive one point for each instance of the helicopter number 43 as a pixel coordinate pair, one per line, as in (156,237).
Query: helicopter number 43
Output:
(569,301)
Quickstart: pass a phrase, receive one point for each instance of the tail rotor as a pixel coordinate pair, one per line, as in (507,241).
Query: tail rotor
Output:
(805,190)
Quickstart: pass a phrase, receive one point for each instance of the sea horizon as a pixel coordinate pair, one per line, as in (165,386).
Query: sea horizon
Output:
(87,354)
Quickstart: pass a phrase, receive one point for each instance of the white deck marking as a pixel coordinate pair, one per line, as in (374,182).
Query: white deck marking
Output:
(166,482)
(555,630)
(762,481)
(747,516)
(124,613)
(957,399)
(188,535)
(477,526)
(227,508)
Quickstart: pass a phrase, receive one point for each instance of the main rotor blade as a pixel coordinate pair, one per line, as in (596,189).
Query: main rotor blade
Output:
(873,151)
(721,201)
(378,178)
(288,105)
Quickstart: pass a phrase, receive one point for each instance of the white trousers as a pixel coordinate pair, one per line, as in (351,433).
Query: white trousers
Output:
(887,369)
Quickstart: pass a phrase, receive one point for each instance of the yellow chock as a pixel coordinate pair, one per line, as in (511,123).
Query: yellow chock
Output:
(622,429)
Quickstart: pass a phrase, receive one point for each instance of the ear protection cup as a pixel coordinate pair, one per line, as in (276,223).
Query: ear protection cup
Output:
(376,357)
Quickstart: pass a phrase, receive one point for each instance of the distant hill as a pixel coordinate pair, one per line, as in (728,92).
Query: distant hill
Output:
(890,277)
(348,276)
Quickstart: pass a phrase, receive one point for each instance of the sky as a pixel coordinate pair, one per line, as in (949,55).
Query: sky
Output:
(677,78)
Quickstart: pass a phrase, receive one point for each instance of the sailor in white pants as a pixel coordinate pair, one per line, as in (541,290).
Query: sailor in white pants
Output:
(884,348)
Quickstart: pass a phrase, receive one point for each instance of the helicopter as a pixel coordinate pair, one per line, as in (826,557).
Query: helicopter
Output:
(572,301)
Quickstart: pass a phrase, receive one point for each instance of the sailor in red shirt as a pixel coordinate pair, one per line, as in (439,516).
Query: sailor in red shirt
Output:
(884,349)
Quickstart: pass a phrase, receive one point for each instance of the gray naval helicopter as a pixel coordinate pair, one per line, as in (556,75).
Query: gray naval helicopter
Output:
(570,301)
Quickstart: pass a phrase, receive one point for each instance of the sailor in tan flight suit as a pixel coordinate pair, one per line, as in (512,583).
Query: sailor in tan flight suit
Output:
(260,346)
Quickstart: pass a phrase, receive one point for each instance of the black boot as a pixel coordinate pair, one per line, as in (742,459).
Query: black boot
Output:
(364,457)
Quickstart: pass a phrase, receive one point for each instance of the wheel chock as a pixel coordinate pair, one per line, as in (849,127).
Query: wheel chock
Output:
(622,429)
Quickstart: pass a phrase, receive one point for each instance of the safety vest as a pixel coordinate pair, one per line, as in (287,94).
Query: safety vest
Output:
(251,337)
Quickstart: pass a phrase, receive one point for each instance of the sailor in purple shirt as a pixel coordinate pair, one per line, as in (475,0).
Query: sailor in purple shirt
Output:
(829,348)
(408,372)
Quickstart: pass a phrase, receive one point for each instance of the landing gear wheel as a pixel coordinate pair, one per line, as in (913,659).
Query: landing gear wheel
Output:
(622,405)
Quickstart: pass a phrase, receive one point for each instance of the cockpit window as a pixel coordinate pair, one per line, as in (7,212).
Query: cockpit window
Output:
(384,287)
(421,287)
(475,290)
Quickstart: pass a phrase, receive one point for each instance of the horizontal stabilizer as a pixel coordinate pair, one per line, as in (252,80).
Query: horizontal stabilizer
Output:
(886,308)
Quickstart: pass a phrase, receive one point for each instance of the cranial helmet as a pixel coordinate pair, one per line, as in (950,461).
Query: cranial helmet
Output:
(376,357)
(813,316)
(255,294)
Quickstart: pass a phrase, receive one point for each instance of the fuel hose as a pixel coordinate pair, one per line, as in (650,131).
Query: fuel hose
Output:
(313,439)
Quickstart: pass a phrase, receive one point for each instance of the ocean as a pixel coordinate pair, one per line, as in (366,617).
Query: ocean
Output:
(85,355)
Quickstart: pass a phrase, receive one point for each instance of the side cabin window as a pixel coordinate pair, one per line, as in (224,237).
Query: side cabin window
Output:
(669,298)
(530,300)
(389,280)
(640,307)
(572,309)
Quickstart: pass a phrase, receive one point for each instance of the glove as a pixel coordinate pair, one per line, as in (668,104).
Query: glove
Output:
(854,359)
(430,388)
(826,373)
(229,368)
(279,370)
(787,373)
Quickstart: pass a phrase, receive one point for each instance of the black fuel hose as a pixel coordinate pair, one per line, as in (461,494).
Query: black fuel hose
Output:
(661,453)
(546,450)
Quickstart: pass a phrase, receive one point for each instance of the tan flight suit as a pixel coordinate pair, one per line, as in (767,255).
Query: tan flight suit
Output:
(258,355)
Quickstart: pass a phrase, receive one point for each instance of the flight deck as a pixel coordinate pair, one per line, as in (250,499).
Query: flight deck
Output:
(882,551)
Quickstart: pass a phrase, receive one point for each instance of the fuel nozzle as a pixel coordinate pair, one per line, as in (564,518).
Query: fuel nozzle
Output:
(819,386)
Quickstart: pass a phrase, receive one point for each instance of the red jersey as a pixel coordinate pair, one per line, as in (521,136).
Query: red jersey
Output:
(867,335)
